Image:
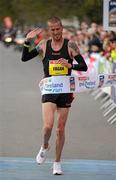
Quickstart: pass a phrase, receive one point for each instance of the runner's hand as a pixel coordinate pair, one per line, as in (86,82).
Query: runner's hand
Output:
(33,33)
(64,62)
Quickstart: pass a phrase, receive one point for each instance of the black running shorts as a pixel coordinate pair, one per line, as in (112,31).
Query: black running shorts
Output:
(61,100)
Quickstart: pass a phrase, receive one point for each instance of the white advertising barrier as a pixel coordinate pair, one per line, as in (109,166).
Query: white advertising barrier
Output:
(75,84)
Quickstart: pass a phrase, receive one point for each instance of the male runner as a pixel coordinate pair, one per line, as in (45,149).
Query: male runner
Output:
(56,51)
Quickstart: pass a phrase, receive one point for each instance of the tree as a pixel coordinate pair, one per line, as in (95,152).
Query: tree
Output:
(33,11)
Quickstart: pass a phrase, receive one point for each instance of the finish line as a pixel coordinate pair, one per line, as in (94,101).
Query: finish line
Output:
(75,84)
(27,169)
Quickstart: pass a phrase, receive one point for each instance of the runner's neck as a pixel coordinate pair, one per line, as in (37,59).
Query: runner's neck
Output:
(57,45)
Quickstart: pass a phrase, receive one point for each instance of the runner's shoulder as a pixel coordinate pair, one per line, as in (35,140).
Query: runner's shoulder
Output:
(73,47)
(72,44)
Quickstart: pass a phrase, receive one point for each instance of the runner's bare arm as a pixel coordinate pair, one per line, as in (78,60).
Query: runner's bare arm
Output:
(75,53)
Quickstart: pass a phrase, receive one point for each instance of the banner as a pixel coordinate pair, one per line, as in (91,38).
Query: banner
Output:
(109,15)
(75,84)
(113,90)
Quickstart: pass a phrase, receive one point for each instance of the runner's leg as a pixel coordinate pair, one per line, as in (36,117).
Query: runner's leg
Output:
(48,110)
(62,118)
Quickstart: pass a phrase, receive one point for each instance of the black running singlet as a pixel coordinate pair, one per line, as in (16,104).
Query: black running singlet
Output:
(50,62)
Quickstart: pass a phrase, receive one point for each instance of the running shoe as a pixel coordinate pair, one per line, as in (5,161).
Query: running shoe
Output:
(57,168)
(41,156)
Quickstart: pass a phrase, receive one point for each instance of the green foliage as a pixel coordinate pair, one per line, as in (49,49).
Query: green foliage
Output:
(94,9)
(33,11)
(5,8)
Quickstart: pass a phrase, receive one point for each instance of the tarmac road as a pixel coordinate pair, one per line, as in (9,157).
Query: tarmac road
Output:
(88,135)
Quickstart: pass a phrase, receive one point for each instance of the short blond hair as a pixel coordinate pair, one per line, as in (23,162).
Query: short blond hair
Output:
(54,20)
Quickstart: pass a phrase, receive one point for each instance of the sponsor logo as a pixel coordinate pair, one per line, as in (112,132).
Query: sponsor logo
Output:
(83,78)
(44,81)
(56,53)
(58,68)
(88,84)
(68,104)
(55,68)
(112,76)
(53,87)
(111,79)
(72,84)
(101,80)
(47,85)
(113,3)
(53,61)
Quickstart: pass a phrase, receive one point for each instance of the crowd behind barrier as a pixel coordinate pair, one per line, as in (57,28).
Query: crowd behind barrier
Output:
(99,50)
(97,46)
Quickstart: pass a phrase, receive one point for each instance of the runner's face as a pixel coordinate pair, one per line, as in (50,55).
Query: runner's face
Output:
(55,30)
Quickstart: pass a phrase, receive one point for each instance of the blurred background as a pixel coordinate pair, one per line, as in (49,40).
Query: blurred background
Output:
(91,129)
(35,12)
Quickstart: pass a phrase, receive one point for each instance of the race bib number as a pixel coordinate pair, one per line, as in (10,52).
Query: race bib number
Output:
(57,69)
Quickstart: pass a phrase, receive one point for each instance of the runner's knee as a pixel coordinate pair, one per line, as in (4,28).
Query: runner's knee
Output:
(60,131)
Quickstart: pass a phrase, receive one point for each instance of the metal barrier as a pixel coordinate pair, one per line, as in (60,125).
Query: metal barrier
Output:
(114,87)
(107,104)
(107,95)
